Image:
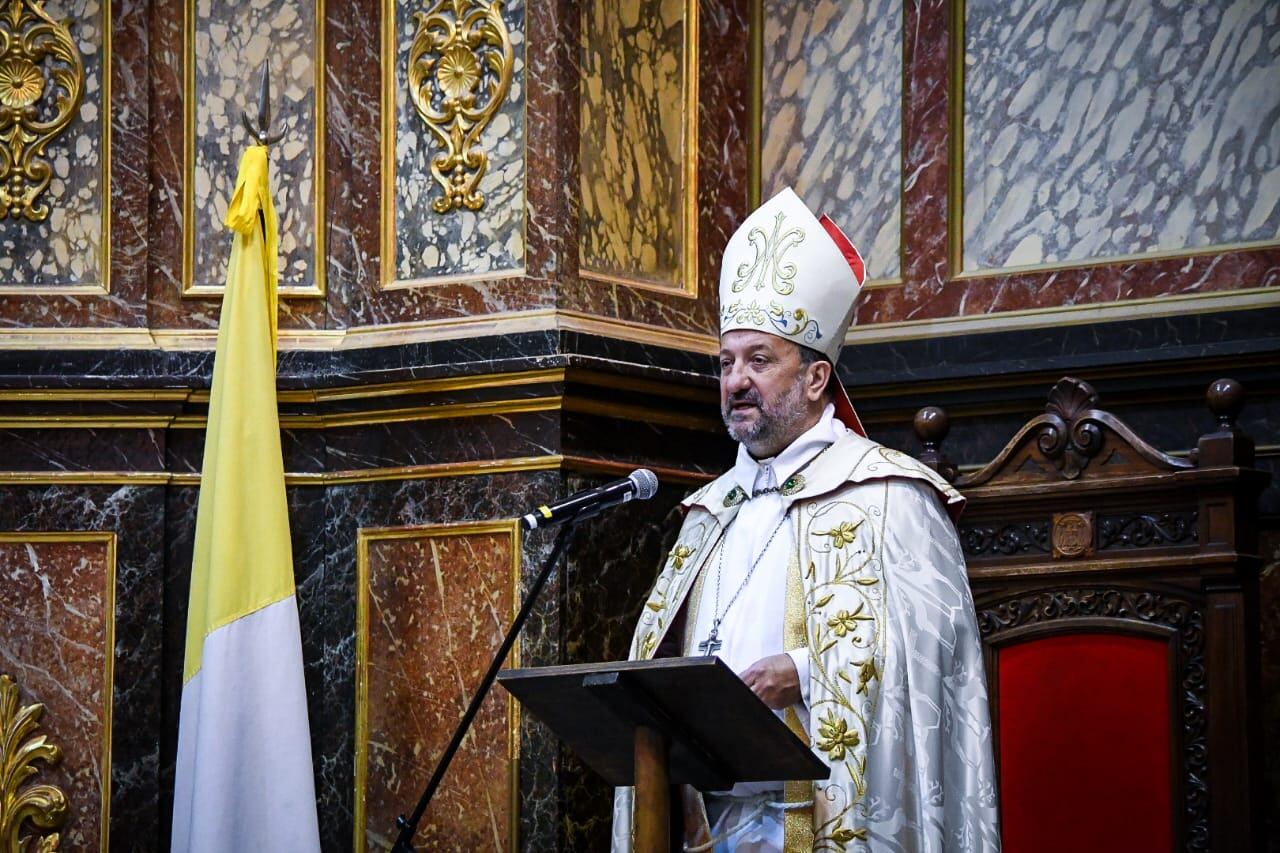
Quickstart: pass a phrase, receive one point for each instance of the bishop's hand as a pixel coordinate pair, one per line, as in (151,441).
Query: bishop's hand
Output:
(774,680)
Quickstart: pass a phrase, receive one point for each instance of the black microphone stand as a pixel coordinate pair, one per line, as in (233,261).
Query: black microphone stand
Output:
(408,826)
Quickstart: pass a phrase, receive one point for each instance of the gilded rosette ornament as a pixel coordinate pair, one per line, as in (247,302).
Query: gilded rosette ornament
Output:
(45,806)
(460,66)
(41,84)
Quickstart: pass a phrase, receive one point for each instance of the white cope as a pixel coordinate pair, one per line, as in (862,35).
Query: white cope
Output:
(753,627)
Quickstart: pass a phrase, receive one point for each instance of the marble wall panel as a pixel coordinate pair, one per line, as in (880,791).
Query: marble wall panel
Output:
(722,143)
(83,301)
(57,612)
(421,502)
(227,46)
(68,247)
(435,603)
(831,120)
(633,119)
(1118,129)
(423,244)
(135,515)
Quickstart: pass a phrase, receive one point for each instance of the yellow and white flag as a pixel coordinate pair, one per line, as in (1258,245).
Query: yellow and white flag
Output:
(244,776)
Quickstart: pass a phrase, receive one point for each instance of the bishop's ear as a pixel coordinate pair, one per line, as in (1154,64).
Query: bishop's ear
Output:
(818,380)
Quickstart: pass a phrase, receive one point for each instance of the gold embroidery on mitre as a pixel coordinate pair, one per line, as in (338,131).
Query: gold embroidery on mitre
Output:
(769,265)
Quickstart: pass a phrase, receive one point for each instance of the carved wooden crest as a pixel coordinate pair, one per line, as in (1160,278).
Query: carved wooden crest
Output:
(1072,534)
(1073,439)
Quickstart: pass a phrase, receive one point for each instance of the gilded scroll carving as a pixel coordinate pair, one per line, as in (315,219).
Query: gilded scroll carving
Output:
(460,66)
(41,85)
(44,806)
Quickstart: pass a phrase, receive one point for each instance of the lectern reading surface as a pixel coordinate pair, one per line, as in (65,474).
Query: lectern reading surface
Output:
(718,731)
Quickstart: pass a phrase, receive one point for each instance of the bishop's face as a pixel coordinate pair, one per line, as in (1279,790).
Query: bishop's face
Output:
(765,397)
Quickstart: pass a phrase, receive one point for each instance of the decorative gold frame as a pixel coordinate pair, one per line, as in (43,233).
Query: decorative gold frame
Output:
(320,252)
(108,539)
(755,135)
(104,247)
(689,271)
(387,218)
(955,201)
(390,334)
(364,536)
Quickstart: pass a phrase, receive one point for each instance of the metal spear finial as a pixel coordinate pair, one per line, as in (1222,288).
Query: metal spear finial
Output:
(262,132)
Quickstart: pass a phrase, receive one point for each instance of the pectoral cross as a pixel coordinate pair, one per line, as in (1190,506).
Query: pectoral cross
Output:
(712,643)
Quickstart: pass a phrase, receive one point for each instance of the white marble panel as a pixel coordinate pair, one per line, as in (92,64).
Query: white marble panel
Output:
(1098,129)
(832,117)
(231,41)
(67,248)
(462,242)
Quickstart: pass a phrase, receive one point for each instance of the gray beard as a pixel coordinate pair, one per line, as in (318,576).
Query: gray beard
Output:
(775,422)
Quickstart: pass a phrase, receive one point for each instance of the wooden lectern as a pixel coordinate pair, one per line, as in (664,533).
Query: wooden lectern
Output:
(664,722)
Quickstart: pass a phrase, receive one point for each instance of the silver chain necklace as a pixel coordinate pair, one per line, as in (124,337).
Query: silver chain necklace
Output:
(712,643)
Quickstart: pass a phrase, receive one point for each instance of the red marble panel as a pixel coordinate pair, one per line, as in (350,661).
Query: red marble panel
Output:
(434,605)
(56,618)
(931,291)
(126,303)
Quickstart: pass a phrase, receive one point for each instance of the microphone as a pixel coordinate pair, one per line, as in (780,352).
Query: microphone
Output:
(641,484)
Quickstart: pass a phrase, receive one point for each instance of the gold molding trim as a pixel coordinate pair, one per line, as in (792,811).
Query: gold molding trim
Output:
(366,535)
(104,248)
(364,337)
(108,539)
(755,103)
(456,43)
(86,478)
(320,253)
(1068,315)
(706,343)
(955,224)
(690,110)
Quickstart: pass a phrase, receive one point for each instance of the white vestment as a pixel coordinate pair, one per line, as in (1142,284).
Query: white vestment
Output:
(877,615)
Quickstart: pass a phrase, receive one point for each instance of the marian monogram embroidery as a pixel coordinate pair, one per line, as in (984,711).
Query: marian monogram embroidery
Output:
(769,265)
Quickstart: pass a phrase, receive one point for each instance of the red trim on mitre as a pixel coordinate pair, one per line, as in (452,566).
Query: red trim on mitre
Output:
(844,408)
(846,248)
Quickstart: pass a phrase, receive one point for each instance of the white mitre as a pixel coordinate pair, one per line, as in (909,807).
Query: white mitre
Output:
(790,274)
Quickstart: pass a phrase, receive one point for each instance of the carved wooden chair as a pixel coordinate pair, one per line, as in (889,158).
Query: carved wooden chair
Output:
(1116,592)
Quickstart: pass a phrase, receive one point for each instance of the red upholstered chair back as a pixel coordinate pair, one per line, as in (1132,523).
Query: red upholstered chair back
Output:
(1116,593)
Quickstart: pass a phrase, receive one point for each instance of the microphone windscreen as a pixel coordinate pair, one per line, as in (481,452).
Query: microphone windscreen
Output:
(646,483)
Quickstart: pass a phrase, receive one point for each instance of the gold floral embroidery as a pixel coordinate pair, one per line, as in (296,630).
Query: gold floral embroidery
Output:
(844,834)
(834,737)
(842,534)
(679,554)
(845,622)
(650,643)
(866,672)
